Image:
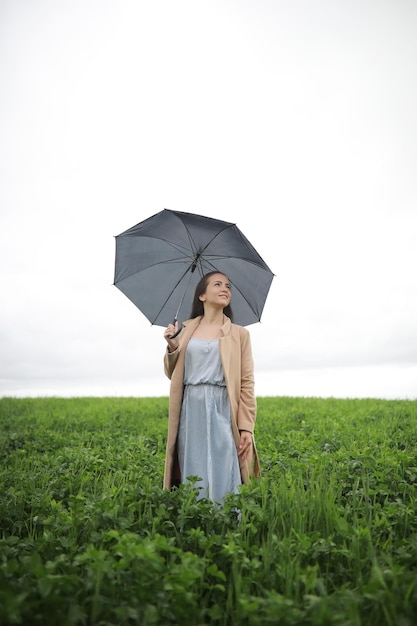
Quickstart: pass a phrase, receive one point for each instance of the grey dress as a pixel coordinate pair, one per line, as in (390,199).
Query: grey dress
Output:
(206,446)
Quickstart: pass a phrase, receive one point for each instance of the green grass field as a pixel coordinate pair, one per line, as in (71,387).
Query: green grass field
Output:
(327,535)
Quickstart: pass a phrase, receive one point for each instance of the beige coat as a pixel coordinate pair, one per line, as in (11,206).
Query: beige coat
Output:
(237,361)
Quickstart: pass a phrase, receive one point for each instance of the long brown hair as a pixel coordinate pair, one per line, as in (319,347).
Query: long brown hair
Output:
(197,306)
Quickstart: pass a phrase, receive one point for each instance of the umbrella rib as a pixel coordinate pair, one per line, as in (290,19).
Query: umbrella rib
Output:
(213,238)
(178,261)
(192,242)
(238,258)
(186,251)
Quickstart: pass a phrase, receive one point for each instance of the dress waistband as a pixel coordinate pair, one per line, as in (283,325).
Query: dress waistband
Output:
(207,382)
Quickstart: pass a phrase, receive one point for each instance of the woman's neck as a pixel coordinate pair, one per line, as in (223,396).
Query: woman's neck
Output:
(209,326)
(212,317)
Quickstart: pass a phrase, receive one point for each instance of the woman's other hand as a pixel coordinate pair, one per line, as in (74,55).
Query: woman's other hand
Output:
(245,444)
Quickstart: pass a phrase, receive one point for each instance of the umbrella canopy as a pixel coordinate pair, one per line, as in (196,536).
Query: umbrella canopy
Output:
(160,261)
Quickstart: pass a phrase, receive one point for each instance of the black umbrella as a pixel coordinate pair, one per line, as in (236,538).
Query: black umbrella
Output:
(160,261)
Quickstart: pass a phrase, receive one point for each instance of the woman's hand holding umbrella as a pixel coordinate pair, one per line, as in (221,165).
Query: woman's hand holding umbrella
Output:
(169,334)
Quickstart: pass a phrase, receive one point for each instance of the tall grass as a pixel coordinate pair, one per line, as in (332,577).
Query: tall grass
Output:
(327,535)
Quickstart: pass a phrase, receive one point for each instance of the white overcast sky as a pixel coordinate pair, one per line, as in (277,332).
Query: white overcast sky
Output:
(295,119)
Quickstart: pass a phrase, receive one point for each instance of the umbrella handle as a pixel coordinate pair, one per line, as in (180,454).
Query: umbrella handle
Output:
(177,333)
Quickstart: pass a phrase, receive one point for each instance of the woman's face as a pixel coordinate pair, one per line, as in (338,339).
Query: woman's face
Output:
(218,291)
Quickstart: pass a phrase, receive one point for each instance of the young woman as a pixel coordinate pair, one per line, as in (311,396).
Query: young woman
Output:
(212,404)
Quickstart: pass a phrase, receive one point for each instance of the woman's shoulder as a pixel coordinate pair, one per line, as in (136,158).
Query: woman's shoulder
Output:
(188,326)
(241,330)
(192,320)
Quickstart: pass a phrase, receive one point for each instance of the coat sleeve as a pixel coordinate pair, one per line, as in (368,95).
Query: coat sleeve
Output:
(246,415)
(170,360)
